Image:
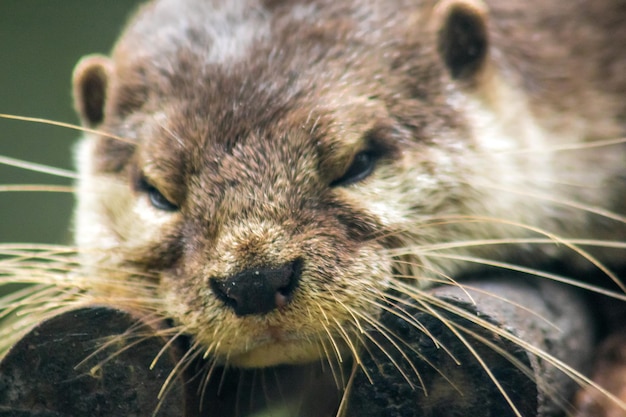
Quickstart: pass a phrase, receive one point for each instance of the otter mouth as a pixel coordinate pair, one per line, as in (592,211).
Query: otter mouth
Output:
(277,335)
(277,348)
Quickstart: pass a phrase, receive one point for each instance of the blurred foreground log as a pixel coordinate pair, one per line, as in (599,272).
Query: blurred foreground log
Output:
(65,367)
(452,381)
(50,372)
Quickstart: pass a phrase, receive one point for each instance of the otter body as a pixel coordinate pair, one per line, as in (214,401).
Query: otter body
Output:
(278,168)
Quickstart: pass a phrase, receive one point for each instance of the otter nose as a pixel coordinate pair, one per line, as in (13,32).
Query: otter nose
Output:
(258,290)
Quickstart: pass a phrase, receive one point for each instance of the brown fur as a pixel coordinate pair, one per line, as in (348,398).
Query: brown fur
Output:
(245,133)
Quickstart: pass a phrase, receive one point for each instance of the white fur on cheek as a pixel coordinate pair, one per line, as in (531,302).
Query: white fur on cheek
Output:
(109,213)
(146,223)
(89,231)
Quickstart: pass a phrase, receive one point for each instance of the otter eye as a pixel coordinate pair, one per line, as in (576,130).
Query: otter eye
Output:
(362,166)
(157,199)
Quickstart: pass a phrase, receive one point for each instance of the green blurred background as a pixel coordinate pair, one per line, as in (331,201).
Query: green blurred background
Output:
(40,42)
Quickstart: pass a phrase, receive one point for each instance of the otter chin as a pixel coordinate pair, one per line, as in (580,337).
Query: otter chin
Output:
(281,173)
(274,353)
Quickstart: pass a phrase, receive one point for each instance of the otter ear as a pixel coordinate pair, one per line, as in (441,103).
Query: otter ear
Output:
(462,37)
(90,81)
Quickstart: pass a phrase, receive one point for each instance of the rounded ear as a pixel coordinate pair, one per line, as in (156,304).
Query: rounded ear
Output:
(90,81)
(462,37)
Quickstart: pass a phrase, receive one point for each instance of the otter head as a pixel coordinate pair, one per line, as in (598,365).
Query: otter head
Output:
(272,158)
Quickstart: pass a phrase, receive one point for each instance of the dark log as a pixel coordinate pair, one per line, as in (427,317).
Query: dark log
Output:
(46,374)
(446,379)
(50,373)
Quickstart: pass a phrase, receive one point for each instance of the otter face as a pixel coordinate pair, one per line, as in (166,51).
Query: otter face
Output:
(265,176)
(265,243)
(262,246)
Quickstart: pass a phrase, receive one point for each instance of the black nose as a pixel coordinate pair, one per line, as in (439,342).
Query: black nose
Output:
(258,290)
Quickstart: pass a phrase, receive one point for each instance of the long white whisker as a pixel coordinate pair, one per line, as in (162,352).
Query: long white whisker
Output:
(64,125)
(534,272)
(32,166)
(450,325)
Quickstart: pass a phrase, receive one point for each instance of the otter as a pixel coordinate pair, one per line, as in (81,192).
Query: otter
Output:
(269,172)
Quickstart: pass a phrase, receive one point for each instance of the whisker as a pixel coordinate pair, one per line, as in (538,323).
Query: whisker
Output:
(331,339)
(343,404)
(206,379)
(409,290)
(344,335)
(181,366)
(450,325)
(385,332)
(65,125)
(408,318)
(575,375)
(32,166)
(525,369)
(188,358)
(37,188)
(534,272)
(446,279)
(506,241)
(36,247)
(338,376)
(404,315)
(566,147)
(167,345)
(130,333)
(209,366)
